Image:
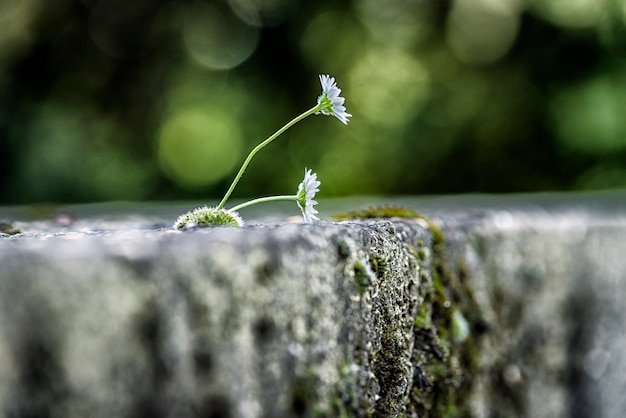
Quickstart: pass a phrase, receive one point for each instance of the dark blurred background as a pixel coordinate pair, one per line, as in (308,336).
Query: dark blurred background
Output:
(157,100)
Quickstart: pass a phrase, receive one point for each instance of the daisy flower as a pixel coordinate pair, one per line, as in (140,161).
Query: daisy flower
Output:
(330,103)
(306,193)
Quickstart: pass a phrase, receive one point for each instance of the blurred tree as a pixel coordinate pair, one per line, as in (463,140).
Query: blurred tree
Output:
(156,99)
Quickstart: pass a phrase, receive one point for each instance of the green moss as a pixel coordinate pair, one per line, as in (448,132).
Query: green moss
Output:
(304,395)
(208,217)
(421,253)
(422,319)
(346,402)
(379,265)
(460,327)
(385,212)
(390,371)
(363,276)
(339,409)
(378,212)
(343,249)
(444,356)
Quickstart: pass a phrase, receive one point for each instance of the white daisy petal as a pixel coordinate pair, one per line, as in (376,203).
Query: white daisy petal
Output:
(306,192)
(331,103)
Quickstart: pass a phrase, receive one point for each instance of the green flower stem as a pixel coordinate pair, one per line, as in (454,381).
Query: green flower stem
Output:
(264,199)
(295,120)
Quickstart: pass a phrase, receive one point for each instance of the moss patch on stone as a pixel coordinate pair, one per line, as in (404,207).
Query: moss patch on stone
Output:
(443,357)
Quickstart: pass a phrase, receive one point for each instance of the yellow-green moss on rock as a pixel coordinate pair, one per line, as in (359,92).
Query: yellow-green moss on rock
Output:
(420,351)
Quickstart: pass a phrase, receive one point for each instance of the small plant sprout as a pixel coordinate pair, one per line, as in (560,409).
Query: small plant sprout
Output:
(328,103)
(207,216)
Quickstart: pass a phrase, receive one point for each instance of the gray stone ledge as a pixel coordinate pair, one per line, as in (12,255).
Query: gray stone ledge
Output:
(519,311)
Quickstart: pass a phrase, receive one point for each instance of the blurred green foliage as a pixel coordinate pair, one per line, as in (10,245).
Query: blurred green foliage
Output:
(155,99)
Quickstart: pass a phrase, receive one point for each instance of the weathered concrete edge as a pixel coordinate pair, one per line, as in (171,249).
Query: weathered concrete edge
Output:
(551,286)
(548,277)
(347,319)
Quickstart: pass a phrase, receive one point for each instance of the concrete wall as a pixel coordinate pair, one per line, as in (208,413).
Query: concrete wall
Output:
(486,308)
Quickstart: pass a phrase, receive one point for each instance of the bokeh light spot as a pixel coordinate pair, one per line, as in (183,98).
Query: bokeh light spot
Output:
(332,28)
(403,22)
(216,39)
(590,118)
(481,32)
(67,153)
(262,12)
(603,176)
(571,13)
(198,147)
(388,86)
(16,20)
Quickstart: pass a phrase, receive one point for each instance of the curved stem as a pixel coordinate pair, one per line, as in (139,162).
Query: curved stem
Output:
(260,146)
(264,199)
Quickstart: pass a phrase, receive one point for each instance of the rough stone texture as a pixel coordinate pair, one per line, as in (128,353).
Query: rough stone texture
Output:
(288,320)
(552,287)
(488,308)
